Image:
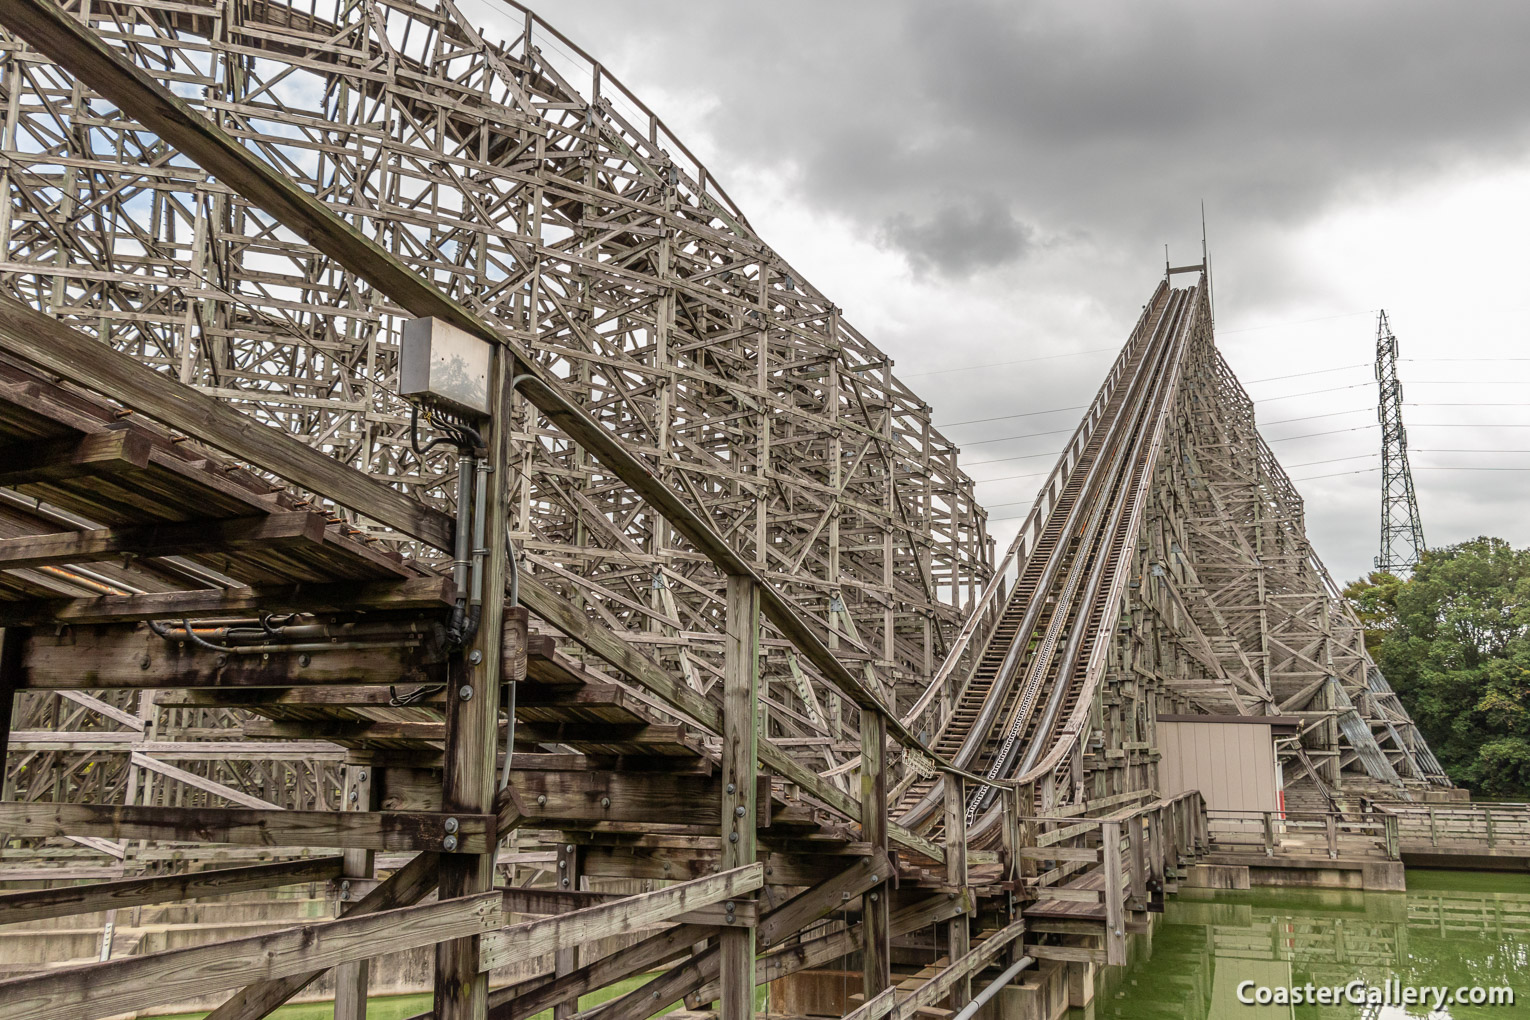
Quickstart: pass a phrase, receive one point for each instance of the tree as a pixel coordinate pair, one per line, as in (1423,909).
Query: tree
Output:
(1454,641)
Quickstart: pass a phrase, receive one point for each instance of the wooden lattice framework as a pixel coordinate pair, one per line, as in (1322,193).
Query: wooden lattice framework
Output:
(525,182)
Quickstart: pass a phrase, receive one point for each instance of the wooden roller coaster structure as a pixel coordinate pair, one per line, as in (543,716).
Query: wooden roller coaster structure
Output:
(746,695)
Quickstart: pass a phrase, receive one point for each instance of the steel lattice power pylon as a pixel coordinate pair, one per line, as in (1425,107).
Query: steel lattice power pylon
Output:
(1402,533)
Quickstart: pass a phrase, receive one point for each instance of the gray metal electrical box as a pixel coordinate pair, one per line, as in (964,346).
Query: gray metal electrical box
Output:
(443,365)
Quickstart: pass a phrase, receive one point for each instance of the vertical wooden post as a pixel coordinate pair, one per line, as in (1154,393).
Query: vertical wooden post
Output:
(1394,847)
(11,639)
(958,932)
(1115,912)
(351,978)
(472,721)
(1022,807)
(1138,845)
(565,961)
(1155,846)
(876,954)
(740,756)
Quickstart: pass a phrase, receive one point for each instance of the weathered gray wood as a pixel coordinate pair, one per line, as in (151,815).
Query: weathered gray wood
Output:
(876,914)
(876,1007)
(566,958)
(526,1000)
(958,972)
(290,530)
(740,911)
(125,655)
(138,982)
(472,713)
(75,47)
(33,904)
(51,345)
(534,938)
(740,755)
(417,593)
(11,641)
(362,830)
(352,978)
(958,933)
(407,886)
(787,919)
(1115,908)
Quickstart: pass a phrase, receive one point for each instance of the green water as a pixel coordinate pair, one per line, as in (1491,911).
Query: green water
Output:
(1449,929)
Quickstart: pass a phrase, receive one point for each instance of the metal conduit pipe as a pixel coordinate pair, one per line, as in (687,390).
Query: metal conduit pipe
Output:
(989,991)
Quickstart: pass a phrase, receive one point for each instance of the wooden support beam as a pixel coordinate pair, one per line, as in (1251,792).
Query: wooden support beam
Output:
(34,904)
(202,783)
(352,978)
(876,953)
(796,956)
(521,942)
(138,982)
(742,911)
(52,460)
(122,655)
(876,1007)
(740,755)
(590,796)
(1115,907)
(11,676)
(415,593)
(47,343)
(518,1002)
(787,919)
(362,830)
(570,861)
(472,707)
(407,886)
(286,530)
(958,972)
(958,931)
(821,900)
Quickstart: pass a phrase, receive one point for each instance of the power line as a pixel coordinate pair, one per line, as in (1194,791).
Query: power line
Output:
(1331,460)
(1028,435)
(1328,414)
(1336,474)
(1316,371)
(1000,364)
(1002,460)
(1010,478)
(1310,393)
(1335,432)
(1006,417)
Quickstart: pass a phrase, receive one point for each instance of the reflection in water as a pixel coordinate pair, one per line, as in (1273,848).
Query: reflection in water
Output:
(1450,928)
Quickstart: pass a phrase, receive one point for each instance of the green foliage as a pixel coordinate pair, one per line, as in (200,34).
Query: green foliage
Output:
(1454,641)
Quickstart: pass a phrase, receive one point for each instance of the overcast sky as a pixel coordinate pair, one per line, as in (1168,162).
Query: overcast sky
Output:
(992,182)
